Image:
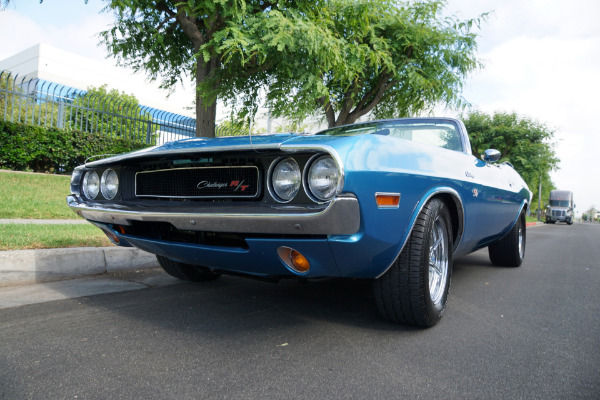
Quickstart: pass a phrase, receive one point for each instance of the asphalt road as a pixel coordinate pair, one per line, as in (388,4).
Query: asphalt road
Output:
(526,333)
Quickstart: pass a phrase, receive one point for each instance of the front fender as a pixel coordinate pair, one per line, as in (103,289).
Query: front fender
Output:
(384,232)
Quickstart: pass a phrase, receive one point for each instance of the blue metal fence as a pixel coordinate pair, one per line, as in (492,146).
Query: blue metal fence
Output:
(47,104)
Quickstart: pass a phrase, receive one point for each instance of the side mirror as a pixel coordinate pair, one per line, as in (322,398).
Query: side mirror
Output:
(491,155)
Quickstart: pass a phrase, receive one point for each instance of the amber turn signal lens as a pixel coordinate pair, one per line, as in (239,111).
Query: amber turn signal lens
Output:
(387,199)
(299,262)
(294,260)
(113,238)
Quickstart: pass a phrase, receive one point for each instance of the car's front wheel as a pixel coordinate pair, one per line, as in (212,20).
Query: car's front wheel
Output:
(186,272)
(414,290)
(510,250)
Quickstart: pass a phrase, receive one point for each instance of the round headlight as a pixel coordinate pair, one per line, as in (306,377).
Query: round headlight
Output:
(286,179)
(323,178)
(91,184)
(109,184)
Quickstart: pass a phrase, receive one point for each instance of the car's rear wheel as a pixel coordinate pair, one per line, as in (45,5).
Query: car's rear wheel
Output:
(414,290)
(510,250)
(186,272)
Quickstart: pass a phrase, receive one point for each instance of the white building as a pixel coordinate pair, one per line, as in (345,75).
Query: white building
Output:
(51,64)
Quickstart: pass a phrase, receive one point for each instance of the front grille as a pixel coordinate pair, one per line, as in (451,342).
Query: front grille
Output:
(199,183)
(558,213)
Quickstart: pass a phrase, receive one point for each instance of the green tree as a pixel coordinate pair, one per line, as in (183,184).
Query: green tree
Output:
(590,215)
(525,143)
(171,39)
(111,112)
(344,59)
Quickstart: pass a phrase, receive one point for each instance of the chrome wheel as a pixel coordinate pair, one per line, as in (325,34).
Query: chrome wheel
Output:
(521,247)
(438,261)
(415,288)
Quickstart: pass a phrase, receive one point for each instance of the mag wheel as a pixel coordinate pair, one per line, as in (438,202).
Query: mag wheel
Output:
(186,272)
(510,250)
(414,290)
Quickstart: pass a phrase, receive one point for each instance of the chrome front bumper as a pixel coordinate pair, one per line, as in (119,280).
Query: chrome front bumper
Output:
(340,217)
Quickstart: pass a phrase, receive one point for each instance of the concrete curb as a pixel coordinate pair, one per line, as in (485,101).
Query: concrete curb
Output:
(32,266)
(18,267)
(530,224)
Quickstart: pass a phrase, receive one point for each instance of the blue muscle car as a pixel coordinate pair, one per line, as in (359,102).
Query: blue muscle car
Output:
(393,201)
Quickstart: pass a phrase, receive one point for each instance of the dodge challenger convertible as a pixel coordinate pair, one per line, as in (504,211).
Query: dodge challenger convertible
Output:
(393,201)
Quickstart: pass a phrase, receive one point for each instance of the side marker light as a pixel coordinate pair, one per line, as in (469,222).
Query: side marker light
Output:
(387,200)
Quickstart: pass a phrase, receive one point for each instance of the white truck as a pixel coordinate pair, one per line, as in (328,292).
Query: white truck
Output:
(560,207)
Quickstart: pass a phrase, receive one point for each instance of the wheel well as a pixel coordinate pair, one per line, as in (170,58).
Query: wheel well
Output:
(456,215)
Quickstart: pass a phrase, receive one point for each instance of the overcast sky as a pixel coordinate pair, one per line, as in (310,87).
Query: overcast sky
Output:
(541,57)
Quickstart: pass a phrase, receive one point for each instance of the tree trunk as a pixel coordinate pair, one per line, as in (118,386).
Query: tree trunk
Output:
(362,106)
(206,118)
(206,113)
(206,110)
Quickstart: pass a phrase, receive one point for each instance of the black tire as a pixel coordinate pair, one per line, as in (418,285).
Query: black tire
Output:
(186,272)
(405,293)
(510,250)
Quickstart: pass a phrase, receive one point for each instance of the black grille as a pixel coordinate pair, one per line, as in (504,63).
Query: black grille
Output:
(210,182)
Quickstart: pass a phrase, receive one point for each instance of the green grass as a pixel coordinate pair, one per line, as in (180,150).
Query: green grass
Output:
(31,236)
(41,196)
(34,196)
(530,219)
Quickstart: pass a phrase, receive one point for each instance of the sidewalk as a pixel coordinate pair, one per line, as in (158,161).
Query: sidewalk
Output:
(19,267)
(44,221)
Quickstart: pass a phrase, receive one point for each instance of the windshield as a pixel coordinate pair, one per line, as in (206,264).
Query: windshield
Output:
(559,203)
(442,134)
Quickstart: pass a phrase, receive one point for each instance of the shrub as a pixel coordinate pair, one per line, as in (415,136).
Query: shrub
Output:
(27,147)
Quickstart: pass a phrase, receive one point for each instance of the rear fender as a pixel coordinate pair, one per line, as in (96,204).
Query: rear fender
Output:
(521,212)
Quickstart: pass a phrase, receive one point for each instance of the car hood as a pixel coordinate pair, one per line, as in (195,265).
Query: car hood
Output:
(257,142)
(287,141)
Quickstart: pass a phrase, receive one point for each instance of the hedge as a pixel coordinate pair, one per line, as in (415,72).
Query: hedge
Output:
(52,150)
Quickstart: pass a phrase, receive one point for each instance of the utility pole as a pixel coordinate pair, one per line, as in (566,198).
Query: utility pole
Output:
(539,210)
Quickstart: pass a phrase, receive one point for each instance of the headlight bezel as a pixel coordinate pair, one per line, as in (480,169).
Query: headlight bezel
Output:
(271,178)
(104,186)
(91,174)
(308,182)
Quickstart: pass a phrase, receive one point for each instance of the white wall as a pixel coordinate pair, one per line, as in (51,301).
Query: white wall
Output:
(56,65)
